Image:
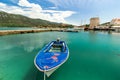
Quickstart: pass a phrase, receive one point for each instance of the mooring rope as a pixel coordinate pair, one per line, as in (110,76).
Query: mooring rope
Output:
(44,75)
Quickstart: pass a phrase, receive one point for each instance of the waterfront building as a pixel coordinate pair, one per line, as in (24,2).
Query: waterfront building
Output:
(94,22)
(115,22)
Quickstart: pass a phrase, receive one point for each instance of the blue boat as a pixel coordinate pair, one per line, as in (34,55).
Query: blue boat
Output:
(52,56)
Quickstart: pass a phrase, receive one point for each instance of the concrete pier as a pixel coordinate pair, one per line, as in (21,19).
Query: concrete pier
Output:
(7,32)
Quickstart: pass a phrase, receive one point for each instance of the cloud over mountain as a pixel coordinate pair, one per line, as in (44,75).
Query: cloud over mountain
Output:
(34,10)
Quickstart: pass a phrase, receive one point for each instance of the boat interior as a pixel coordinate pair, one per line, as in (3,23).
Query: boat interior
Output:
(57,47)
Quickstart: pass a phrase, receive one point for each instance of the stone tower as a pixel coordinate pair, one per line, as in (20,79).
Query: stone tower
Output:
(94,22)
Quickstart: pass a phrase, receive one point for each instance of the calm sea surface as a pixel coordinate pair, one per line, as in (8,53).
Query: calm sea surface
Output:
(93,56)
(19,28)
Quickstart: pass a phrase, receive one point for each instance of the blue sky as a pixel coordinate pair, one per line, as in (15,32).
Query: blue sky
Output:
(65,11)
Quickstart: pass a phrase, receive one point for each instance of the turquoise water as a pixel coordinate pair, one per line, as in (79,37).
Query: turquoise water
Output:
(16,28)
(19,28)
(93,56)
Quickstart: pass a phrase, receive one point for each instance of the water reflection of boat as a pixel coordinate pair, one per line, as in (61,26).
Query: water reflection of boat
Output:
(52,56)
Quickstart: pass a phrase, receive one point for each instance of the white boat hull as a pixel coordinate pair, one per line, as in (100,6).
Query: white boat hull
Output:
(48,73)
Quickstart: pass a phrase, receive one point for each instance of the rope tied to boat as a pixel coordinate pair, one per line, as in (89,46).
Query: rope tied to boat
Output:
(44,73)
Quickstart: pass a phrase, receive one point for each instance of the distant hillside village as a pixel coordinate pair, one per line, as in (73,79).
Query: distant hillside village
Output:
(114,24)
(95,23)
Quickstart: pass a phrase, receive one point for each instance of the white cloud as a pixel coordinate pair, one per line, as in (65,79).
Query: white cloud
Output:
(53,7)
(2,5)
(34,7)
(11,9)
(24,3)
(79,3)
(33,10)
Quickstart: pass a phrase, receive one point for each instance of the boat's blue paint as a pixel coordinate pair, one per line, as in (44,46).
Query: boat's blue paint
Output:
(47,60)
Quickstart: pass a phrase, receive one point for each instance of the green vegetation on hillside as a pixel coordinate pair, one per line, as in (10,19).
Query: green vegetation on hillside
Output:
(13,20)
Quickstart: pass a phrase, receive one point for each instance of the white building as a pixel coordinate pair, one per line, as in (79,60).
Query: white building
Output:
(115,22)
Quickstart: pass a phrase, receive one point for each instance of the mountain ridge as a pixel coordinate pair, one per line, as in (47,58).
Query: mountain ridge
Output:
(16,20)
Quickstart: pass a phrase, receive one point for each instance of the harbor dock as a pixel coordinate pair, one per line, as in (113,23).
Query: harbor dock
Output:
(8,32)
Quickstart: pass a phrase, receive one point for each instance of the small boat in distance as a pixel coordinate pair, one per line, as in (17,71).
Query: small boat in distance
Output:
(52,56)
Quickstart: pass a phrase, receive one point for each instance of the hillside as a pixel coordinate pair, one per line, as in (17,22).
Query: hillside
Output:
(13,20)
